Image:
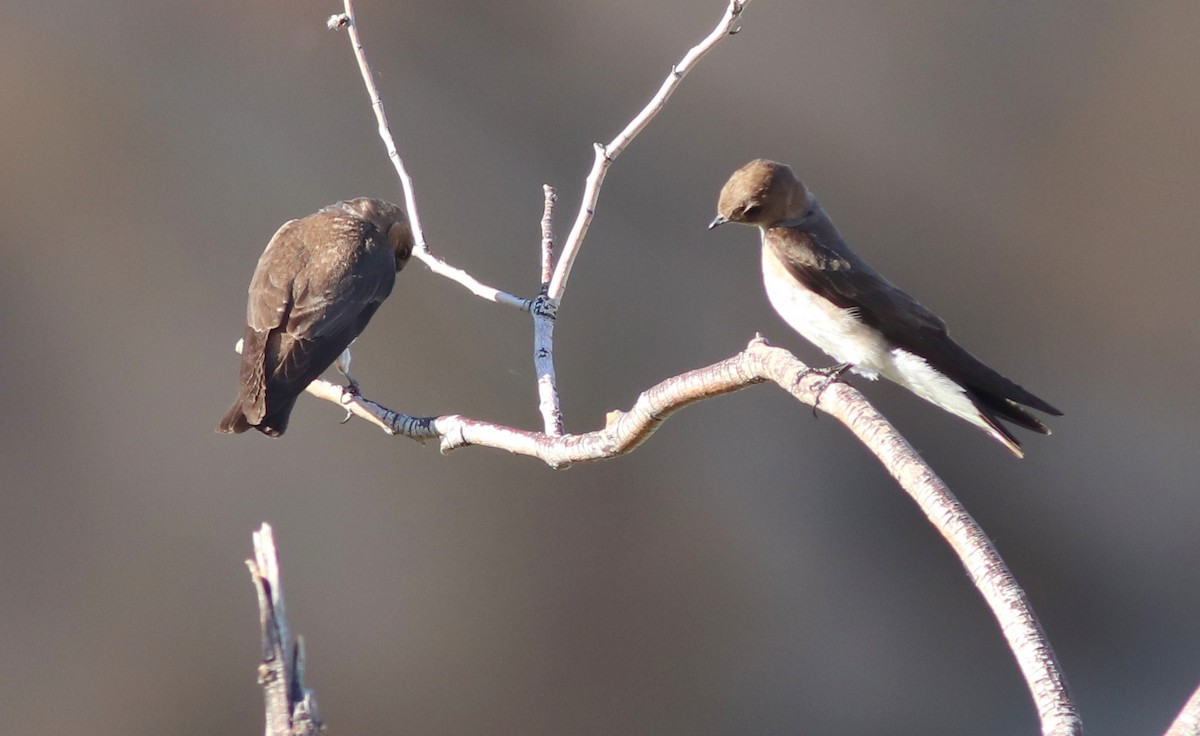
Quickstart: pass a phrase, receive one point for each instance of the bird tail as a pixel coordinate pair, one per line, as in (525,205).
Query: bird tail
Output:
(993,408)
(234,421)
(995,397)
(272,425)
(988,422)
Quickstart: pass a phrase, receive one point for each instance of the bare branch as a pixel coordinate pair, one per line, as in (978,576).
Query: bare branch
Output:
(606,154)
(623,431)
(291,708)
(758,363)
(348,21)
(545,312)
(473,285)
(392,422)
(1187,723)
(547,259)
(554,278)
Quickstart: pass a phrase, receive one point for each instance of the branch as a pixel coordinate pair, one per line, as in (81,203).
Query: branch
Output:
(624,431)
(759,363)
(554,277)
(291,708)
(606,154)
(547,259)
(1187,723)
(421,251)
(604,157)
(545,312)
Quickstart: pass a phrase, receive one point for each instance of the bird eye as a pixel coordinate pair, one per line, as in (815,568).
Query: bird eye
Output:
(751,212)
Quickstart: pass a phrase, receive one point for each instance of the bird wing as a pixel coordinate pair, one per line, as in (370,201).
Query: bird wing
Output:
(822,263)
(267,309)
(315,289)
(850,283)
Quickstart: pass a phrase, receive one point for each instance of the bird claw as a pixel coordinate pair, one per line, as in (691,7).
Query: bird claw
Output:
(349,392)
(830,374)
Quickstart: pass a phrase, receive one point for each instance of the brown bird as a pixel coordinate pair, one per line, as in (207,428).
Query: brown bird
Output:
(840,304)
(316,286)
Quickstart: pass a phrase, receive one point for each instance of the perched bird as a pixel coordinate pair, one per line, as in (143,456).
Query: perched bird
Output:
(840,304)
(316,286)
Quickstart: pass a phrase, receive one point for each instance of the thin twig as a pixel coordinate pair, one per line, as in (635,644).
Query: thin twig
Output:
(606,154)
(547,258)
(348,22)
(473,285)
(291,708)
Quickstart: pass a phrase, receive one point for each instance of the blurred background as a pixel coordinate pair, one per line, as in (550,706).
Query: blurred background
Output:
(1027,170)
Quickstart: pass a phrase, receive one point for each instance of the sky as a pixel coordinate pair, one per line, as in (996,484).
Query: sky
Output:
(1028,171)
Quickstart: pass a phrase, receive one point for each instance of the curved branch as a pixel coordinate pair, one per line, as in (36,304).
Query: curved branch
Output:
(1187,723)
(624,431)
(759,363)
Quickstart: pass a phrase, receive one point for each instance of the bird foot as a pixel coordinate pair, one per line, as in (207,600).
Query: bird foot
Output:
(350,391)
(829,375)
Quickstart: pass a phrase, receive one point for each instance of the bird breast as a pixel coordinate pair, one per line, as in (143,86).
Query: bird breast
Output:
(839,332)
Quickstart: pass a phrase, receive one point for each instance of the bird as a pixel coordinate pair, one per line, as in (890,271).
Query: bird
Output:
(317,284)
(828,294)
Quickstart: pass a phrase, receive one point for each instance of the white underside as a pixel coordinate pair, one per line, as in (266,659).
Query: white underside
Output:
(842,335)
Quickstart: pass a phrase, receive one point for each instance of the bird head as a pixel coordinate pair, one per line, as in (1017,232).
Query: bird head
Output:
(387,218)
(762,193)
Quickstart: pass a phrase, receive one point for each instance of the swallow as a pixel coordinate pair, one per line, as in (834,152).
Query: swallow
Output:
(824,291)
(316,286)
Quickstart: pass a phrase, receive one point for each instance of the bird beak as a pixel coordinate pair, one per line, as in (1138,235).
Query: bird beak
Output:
(718,220)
